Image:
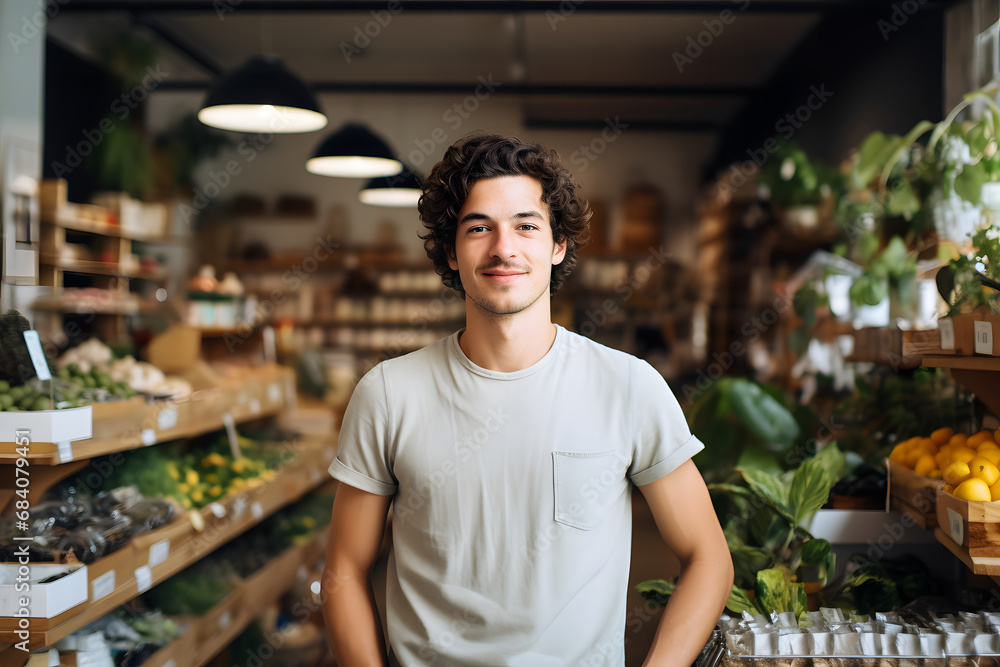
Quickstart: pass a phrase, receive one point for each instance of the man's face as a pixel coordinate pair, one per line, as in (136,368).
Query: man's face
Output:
(504,252)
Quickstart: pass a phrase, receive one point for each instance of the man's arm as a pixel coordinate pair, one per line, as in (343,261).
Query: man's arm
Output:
(349,609)
(684,515)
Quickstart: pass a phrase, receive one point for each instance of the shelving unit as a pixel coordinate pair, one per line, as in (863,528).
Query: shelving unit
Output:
(109,263)
(221,523)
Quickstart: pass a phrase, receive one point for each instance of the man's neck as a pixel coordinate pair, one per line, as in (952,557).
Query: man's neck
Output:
(507,344)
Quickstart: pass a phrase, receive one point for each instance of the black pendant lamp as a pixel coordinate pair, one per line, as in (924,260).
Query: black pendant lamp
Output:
(262,96)
(354,152)
(400,190)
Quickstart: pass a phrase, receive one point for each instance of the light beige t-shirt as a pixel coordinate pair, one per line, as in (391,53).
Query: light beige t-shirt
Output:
(512,512)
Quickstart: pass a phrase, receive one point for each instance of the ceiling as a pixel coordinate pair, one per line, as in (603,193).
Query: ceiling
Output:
(571,63)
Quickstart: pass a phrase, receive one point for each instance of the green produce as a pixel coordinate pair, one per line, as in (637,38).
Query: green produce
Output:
(15,362)
(775,591)
(195,590)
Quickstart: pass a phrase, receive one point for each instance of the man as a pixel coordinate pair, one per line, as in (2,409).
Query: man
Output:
(508,450)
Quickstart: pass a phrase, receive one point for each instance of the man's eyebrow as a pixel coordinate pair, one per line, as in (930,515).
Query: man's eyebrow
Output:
(482,216)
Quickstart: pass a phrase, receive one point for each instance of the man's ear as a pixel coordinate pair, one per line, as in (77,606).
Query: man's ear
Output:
(449,251)
(559,252)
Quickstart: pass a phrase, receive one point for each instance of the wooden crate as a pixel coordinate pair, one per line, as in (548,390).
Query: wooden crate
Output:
(972,525)
(912,494)
(957,334)
(987,335)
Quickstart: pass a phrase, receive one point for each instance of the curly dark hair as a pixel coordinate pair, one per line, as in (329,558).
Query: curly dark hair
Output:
(489,156)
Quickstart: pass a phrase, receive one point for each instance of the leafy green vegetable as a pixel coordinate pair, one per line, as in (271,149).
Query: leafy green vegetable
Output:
(766,418)
(775,591)
(657,592)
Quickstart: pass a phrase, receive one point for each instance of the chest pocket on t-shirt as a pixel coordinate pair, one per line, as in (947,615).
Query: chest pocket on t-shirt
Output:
(585,486)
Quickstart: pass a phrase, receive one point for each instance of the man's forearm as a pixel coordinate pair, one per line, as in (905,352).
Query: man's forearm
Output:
(692,613)
(352,619)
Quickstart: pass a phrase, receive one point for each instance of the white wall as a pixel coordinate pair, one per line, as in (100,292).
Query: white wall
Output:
(410,123)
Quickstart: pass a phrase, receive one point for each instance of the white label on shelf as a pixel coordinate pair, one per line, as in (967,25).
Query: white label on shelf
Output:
(270,349)
(984,337)
(274,392)
(225,619)
(65,451)
(102,585)
(947,329)
(159,552)
(170,663)
(254,406)
(37,355)
(197,520)
(143,578)
(166,419)
(234,443)
(218,509)
(237,506)
(148,437)
(956,527)
(257,510)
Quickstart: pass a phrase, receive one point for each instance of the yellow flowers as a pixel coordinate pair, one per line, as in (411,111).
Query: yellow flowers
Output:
(969,465)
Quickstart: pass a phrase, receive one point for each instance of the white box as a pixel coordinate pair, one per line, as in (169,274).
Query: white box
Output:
(48,425)
(44,600)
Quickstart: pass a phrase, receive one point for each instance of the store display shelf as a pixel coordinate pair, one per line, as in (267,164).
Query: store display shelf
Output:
(977,374)
(105,229)
(374,324)
(109,307)
(991,364)
(100,268)
(232,615)
(988,565)
(187,539)
(125,425)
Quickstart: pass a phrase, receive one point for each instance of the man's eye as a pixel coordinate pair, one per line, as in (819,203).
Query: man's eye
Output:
(528,226)
(477,228)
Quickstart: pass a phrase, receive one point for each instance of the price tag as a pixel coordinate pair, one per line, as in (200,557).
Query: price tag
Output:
(167,419)
(257,510)
(170,663)
(159,552)
(234,443)
(102,586)
(218,509)
(143,578)
(37,355)
(148,437)
(984,337)
(254,406)
(238,505)
(225,619)
(956,527)
(65,451)
(197,520)
(274,392)
(947,329)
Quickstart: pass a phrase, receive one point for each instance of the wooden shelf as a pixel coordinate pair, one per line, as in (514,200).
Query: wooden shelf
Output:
(187,544)
(107,229)
(143,425)
(99,268)
(991,364)
(68,305)
(988,565)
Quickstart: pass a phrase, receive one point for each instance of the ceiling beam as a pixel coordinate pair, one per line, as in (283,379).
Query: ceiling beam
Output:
(184,47)
(680,126)
(224,7)
(533,90)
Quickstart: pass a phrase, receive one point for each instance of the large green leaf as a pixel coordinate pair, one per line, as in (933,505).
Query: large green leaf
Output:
(814,552)
(833,461)
(969,183)
(764,416)
(902,200)
(748,561)
(776,592)
(809,490)
(739,602)
(767,486)
(874,151)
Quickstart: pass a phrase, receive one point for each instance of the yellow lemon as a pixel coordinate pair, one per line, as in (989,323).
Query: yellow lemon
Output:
(962,454)
(995,492)
(898,454)
(935,474)
(948,488)
(942,435)
(955,473)
(927,463)
(996,436)
(943,457)
(957,439)
(973,489)
(982,436)
(991,454)
(984,469)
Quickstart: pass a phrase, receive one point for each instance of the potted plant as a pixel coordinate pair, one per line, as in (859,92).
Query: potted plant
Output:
(802,193)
